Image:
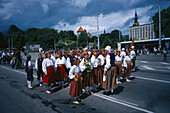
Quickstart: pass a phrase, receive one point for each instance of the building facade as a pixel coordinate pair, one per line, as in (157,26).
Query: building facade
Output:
(141,32)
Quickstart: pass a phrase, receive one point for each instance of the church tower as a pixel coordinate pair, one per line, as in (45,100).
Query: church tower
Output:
(136,23)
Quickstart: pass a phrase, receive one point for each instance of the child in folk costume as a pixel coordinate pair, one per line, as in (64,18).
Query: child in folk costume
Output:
(60,64)
(133,58)
(97,72)
(8,56)
(48,68)
(3,56)
(118,60)
(86,69)
(109,70)
(29,71)
(127,65)
(76,81)
(38,67)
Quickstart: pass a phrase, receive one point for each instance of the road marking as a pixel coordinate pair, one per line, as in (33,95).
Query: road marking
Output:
(143,61)
(147,67)
(112,98)
(122,103)
(152,79)
(164,63)
(17,71)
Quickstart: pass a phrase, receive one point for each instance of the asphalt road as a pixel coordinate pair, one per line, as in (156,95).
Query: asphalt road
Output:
(149,91)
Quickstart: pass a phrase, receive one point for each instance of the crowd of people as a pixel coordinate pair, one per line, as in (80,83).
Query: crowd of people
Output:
(86,71)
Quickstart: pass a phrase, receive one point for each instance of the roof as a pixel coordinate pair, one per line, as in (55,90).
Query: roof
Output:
(89,35)
(138,41)
(80,30)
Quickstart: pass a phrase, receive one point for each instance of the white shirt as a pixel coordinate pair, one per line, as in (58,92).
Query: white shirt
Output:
(101,57)
(82,65)
(61,61)
(123,54)
(132,54)
(30,64)
(53,58)
(8,54)
(46,63)
(107,66)
(118,59)
(3,54)
(74,69)
(95,61)
(127,58)
(36,64)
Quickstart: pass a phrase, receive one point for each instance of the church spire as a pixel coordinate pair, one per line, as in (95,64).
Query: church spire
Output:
(136,23)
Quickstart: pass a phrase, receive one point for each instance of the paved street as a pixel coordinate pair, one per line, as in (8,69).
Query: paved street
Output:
(148,92)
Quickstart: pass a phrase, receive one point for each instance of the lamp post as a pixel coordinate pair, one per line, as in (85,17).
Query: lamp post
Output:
(159,26)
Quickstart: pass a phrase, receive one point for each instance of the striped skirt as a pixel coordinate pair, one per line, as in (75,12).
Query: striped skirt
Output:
(128,69)
(97,73)
(61,73)
(119,65)
(50,78)
(76,87)
(110,78)
(88,79)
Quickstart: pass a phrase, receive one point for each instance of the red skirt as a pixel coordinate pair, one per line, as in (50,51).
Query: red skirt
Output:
(97,73)
(88,79)
(61,73)
(128,69)
(119,73)
(76,87)
(50,78)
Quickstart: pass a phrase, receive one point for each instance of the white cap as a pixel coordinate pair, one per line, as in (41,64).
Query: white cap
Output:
(123,49)
(85,48)
(133,47)
(89,52)
(107,48)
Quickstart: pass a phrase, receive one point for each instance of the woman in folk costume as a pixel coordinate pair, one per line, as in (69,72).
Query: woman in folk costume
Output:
(109,71)
(48,68)
(29,71)
(60,64)
(76,81)
(118,60)
(97,72)
(127,65)
(86,69)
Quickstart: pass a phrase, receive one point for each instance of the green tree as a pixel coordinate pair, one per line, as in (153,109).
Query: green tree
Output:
(3,42)
(165,20)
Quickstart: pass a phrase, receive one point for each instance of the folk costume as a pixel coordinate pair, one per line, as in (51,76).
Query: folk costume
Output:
(38,67)
(76,83)
(86,69)
(60,64)
(133,58)
(118,60)
(110,68)
(97,72)
(48,68)
(127,65)
(29,71)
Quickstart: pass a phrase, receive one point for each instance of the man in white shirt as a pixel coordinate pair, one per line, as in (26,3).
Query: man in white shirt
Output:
(133,58)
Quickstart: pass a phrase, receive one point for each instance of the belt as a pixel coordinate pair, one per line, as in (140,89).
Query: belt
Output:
(50,66)
(60,65)
(118,61)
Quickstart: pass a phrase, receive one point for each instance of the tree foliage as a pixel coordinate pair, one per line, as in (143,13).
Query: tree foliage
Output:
(165,22)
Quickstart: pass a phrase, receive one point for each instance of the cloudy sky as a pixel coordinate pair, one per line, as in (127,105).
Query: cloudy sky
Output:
(71,14)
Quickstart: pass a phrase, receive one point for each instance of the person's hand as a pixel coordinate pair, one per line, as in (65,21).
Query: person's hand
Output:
(104,73)
(76,79)
(99,64)
(104,59)
(81,78)
(46,75)
(88,67)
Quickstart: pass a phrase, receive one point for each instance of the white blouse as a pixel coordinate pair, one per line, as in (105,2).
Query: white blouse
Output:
(118,59)
(127,58)
(74,69)
(107,66)
(123,54)
(61,61)
(132,54)
(82,65)
(101,57)
(95,61)
(46,63)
